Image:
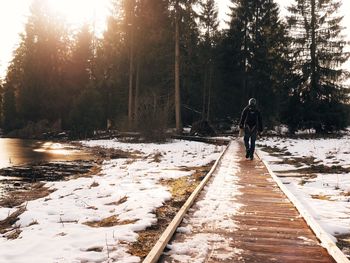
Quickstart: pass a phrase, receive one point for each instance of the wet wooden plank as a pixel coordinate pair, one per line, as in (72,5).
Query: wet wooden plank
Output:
(268,226)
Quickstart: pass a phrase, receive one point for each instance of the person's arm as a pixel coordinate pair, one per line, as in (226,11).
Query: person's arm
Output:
(243,117)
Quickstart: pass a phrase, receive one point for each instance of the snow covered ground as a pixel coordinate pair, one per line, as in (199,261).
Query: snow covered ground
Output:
(214,210)
(316,171)
(62,227)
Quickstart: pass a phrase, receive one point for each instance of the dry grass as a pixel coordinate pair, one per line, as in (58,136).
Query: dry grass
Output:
(94,249)
(16,198)
(34,222)
(299,161)
(157,157)
(343,242)
(321,197)
(95,170)
(319,169)
(120,201)
(94,184)
(110,153)
(180,189)
(8,227)
(109,222)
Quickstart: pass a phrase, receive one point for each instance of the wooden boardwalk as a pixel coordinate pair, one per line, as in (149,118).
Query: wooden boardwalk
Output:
(268,226)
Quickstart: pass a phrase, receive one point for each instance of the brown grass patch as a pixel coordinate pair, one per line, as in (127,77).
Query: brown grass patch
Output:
(111,153)
(323,169)
(273,151)
(180,189)
(149,237)
(343,242)
(299,161)
(94,184)
(109,222)
(94,249)
(120,201)
(321,197)
(34,222)
(157,157)
(8,227)
(95,170)
(16,198)
(13,234)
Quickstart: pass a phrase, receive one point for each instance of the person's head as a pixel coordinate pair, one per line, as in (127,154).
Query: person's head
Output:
(252,102)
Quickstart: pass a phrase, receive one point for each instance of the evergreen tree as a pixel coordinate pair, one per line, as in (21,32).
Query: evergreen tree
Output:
(87,113)
(36,72)
(79,68)
(82,59)
(155,55)
(190,62)
(9,112)
(255,51)
(210,23)
(318,53)
(112,69)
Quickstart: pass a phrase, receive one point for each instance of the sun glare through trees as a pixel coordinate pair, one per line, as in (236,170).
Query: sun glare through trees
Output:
(77,12)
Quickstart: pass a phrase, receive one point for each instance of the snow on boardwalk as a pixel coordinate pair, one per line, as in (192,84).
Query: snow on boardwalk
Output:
(242,216)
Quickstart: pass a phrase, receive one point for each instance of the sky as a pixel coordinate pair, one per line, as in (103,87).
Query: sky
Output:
(13,15)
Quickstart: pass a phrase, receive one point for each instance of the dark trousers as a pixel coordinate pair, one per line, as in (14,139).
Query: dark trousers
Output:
(250,135)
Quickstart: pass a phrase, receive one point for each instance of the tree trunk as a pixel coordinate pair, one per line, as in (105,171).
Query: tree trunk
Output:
(204,100)
(131,65)
(245,62)
(137,91)
(177,71)
(313,51)
(209,90)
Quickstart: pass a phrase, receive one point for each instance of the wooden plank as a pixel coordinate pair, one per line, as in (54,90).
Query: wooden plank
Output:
(326,241)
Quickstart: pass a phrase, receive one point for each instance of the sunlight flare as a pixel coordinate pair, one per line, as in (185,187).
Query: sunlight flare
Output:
(78,12)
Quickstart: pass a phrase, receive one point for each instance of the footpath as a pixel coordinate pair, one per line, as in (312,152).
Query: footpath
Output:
(243,216)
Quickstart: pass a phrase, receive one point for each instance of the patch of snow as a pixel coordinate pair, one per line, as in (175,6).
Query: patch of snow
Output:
(201,247)
(55,228)
(214,210)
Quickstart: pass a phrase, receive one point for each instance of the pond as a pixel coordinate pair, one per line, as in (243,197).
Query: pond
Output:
(18,151)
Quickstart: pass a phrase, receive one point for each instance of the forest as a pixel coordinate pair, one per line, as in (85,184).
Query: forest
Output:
(168,63)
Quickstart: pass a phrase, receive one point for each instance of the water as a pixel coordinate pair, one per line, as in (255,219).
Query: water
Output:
(19,151)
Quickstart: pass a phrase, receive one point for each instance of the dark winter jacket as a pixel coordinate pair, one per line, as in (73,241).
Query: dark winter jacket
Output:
(251,118)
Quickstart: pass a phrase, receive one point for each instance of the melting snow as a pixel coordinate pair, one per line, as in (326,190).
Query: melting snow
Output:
(214,211)
(54,229)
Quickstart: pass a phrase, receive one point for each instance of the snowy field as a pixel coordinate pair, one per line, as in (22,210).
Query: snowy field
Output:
(317,172)
(94,219)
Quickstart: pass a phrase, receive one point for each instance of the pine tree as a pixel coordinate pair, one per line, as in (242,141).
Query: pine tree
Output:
(318,53)
(154,57)
(36,72)
(9,111)
(191,80)
(257,44)
(82,58)
(210,23)
(112,68)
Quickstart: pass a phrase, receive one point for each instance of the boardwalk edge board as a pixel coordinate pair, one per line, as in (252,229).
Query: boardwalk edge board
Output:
(164,239)
(326,241)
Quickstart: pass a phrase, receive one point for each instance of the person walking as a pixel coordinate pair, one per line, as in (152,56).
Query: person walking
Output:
(252,124)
